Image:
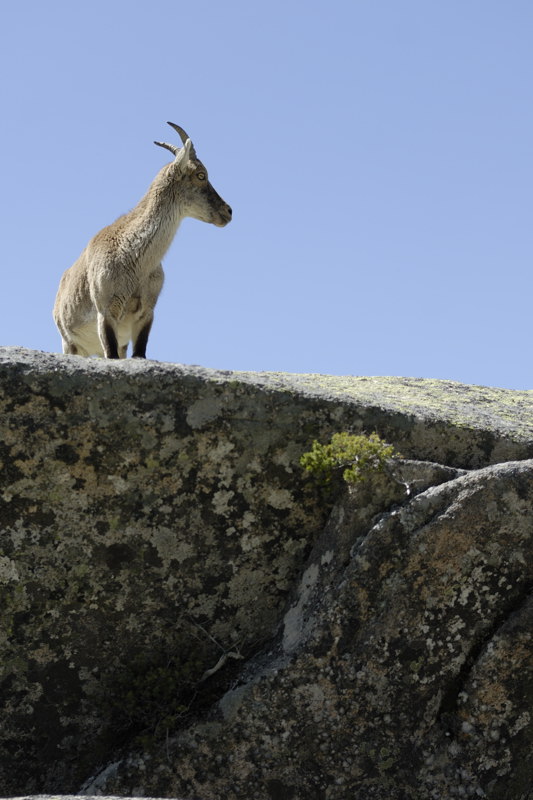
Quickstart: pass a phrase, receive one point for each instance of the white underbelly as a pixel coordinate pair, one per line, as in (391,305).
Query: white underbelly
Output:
(87,340)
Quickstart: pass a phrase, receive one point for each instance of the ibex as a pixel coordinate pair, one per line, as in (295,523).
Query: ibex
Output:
(107,298)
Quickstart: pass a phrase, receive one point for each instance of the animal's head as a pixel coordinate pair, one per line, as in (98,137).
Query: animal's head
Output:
(198,198)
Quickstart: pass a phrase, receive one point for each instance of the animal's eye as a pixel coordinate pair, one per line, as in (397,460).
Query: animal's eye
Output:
(200,176)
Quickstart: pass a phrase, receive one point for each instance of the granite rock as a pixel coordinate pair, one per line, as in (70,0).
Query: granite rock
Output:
(183,614)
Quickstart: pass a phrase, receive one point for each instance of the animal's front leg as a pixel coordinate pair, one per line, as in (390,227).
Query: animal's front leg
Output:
(143,324)
(141,332)
(108,319)
(108,335)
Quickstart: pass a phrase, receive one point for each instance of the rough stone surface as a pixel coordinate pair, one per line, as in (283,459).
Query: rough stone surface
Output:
(151,511)
(405,672)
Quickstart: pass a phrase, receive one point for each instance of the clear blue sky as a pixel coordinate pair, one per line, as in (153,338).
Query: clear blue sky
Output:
(378,155)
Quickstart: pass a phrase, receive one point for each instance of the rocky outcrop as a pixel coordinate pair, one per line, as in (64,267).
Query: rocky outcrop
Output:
(405,671)
(184,615)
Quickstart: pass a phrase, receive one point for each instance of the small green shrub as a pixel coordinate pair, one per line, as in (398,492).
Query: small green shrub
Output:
(357,455)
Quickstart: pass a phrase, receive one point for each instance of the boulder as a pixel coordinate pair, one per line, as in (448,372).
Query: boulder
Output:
(185,614)
(404,668)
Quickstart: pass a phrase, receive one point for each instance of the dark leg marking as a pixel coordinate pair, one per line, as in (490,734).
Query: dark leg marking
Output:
(111,344)
(139,347)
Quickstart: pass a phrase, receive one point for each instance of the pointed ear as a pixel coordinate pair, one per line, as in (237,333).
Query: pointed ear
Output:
(184,156)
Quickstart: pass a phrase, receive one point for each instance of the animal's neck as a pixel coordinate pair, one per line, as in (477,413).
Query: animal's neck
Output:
(162,201)
(157,218)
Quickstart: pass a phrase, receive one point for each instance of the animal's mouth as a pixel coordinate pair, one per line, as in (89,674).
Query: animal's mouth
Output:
(224,213)
(222,220)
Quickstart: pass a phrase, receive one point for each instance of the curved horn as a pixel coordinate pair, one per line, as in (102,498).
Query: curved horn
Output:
(183,136)
(173,149)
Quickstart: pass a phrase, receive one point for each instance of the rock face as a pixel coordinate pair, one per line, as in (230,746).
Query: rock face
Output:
(184,615)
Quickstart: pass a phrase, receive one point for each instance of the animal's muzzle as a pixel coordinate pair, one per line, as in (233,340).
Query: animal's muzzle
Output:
(224,216)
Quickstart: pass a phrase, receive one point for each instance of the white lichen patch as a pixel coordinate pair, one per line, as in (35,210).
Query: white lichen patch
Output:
(119,484)
(169,548)
(523,720)
(8,570)
(204,410)
(279,498)
(221,451)
(249,542)
(221,501)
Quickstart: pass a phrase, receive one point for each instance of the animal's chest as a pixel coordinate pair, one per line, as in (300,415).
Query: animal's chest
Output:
(134,308)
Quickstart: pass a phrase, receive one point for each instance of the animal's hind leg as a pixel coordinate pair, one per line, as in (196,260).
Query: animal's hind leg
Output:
(71,349)
(70,346)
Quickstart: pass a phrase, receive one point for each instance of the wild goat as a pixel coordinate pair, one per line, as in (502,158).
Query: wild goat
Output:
(107,298)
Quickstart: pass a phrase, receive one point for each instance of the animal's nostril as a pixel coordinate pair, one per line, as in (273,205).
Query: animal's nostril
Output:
(230,212)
